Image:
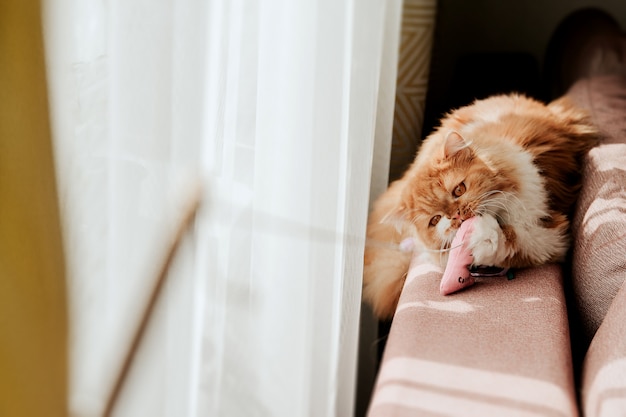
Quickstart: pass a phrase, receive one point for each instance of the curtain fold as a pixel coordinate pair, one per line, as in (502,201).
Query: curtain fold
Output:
(271,107)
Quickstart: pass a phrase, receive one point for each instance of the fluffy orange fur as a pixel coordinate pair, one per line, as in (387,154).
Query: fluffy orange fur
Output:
(512,161)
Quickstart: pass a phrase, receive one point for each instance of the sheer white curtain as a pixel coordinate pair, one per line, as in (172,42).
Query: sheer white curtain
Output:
(269,105)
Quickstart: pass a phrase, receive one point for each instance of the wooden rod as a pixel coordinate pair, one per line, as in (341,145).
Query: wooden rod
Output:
(183,228)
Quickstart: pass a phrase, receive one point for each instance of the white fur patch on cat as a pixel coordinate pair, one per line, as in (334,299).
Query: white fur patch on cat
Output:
(487,242)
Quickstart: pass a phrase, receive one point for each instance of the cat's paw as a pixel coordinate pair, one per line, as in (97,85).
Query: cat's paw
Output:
(487,241)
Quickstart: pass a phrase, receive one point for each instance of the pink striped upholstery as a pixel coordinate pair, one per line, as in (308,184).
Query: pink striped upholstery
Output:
(599,263)
(498,348)
(599,225)
(604,370)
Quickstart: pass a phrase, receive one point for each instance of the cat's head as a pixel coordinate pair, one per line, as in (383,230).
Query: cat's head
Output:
(453,184)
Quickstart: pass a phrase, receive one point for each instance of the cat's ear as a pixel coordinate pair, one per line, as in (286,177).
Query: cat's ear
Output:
(454,145)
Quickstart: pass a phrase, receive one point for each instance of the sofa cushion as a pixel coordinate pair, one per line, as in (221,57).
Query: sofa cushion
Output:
(604,369)
(599,224)
(497,348)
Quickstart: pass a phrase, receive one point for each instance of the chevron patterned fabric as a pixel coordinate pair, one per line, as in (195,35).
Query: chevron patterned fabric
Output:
(418,24)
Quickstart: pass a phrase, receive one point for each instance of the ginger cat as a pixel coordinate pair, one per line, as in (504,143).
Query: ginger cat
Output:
(512,161)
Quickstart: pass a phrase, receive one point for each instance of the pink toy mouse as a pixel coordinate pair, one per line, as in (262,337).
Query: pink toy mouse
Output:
(457,274)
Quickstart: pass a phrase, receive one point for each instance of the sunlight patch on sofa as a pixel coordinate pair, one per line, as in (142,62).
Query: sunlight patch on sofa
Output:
(608,390)
(609,156)
(455,306)
(421,269)
(442,388)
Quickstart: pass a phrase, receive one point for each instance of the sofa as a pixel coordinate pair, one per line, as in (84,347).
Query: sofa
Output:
(551,341)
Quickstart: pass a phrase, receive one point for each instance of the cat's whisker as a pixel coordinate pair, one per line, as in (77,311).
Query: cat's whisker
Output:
(492,204)
(441,248)
(490,210)
(483,212)
(508,195)
(413,210)
(512,195)
(445,247)
(497,202)
(490,193)
(386,217)
(496,208)
(494,213)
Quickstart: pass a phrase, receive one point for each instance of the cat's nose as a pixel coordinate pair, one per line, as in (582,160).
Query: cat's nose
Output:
(461,217)
(456,219)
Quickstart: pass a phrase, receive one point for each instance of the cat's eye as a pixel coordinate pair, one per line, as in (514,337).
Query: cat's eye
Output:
(459,190)
(434,220)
